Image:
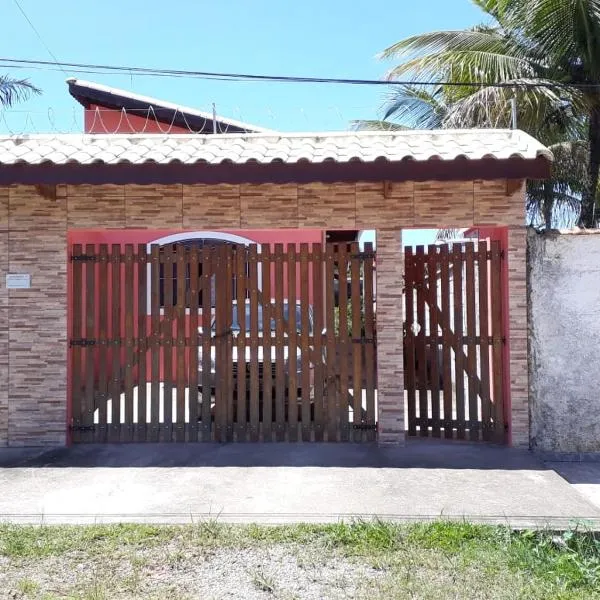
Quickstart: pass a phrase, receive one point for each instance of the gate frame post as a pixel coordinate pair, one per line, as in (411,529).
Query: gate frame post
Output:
(513,241)
(390,322)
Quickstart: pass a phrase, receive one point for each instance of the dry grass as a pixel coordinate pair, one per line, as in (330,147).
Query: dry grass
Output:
(358,560)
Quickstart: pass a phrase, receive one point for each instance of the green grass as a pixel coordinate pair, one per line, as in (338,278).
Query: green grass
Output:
(433,560)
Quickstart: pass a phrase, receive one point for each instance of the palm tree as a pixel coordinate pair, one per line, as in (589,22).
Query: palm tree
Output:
(546,54)
(15,90)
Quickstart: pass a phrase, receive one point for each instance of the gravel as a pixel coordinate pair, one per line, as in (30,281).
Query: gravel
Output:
(286,572)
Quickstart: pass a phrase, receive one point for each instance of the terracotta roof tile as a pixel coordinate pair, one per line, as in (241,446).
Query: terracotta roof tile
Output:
(264,148)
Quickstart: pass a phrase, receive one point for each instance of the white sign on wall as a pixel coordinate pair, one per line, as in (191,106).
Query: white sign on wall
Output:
(18,281)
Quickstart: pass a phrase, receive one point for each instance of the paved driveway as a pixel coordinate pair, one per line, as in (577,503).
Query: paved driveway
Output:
(276,483)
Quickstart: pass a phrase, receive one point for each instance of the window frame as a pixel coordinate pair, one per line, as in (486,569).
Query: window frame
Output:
(191,236)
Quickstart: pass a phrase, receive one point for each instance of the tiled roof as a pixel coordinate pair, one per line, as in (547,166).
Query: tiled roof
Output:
(365,146)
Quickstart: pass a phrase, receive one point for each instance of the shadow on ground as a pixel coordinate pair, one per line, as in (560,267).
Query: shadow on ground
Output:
(578,473)
(424,454)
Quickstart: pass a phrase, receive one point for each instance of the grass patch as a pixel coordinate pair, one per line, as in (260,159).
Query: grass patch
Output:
(434,560)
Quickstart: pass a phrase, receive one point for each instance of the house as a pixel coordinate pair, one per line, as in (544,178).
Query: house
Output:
(112,110)
(59,193)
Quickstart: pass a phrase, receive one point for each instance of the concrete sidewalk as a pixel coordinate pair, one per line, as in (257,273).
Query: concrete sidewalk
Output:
(275,483)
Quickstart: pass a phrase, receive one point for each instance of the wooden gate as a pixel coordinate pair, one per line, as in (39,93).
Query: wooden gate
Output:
(453,341)
(227,343)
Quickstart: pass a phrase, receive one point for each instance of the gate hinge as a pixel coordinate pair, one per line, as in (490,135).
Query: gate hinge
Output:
(82,342)
(82,427)
(365,426)
(363,255)
(84,258)
(363,340)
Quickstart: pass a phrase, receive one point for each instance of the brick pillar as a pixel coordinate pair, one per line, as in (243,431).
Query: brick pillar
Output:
(3,317)
(517,336)
(390,375)
(38,318)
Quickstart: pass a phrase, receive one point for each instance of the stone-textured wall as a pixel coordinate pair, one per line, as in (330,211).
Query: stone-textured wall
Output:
(34,223)
(564,339)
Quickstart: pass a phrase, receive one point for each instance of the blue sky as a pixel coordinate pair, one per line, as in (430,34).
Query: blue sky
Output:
(320,38)
(335,38)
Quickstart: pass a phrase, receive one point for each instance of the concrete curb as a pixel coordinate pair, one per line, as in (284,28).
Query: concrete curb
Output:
(513,522)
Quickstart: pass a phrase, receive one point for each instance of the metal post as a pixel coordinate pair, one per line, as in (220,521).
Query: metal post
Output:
(214,118)
(513,113)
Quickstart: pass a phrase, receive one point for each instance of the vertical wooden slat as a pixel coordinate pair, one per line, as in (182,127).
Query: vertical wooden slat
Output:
(76,350)
(357,343)
(241,430)
(280,343)
(333,412)
(267,366)
(254,343)
(228,344)
(167,330)
(155,344)
(291,329)
(484,334)
(90,351)
(457,280)
(420,345)
(181,379)
(433,266)
(103,299)
(193,259)
(445,323)
(474,424)
(317,354)
(220,340)
(115,391)
(129,343)
(497,341)
(343,341)
(304,343)
(208,350)
(369,314)
(142,343)
(409,339)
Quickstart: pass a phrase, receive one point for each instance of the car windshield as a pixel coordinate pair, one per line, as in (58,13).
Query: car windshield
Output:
(235,324)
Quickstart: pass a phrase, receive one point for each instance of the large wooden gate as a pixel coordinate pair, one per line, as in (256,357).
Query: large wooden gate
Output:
(222,343)
(453,341)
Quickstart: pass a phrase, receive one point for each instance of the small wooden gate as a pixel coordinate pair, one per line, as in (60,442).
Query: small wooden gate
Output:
(453,341)
(228,343)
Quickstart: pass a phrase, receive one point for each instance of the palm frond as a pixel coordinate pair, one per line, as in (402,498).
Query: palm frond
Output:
(537,101)
(15,90)
(416,107)
(376,125)
(443,41)
(479,66)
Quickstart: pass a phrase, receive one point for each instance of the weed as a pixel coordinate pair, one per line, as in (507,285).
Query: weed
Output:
(263,582)
(28,587)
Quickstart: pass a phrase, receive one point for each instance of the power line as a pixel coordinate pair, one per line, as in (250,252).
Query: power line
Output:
(102,69)
(37,33)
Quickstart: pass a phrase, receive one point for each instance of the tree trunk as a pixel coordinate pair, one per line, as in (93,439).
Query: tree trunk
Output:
(548,203)
(588,204)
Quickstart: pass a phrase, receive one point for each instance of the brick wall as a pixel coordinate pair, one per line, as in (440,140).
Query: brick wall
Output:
(33,229)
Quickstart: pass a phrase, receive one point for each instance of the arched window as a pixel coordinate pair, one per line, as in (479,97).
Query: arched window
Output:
(199,239)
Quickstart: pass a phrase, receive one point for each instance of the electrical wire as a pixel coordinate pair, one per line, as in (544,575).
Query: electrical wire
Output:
(104,69)
(37,33)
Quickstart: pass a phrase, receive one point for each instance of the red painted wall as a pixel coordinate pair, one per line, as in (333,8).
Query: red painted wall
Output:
(98,119)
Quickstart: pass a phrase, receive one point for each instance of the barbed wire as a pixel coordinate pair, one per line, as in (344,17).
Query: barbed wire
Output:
(20,121)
